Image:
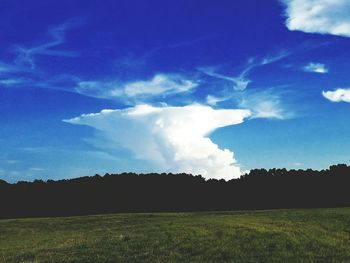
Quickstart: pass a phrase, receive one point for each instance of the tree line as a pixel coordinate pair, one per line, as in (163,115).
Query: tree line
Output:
(130,192)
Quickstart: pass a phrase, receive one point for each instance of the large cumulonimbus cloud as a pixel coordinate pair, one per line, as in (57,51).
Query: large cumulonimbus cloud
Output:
(173,138)
(319,16)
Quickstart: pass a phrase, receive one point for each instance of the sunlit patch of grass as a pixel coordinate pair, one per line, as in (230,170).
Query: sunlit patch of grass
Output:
(319,235)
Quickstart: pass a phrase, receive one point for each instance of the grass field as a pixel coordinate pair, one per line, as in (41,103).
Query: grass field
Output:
(318,235)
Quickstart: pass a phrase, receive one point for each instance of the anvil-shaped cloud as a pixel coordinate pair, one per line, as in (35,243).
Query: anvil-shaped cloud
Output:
(173,138)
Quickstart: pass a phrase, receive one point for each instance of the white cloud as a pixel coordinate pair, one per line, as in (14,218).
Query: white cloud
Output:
(97,89)
(213,100)
(272,58)
(159,85)
(267,109)
(264,104)
(319,16)
(175,139)
(239,83)
(337,95)
(316,68)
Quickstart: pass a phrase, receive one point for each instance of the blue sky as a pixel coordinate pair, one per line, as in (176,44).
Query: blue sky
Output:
(207,87)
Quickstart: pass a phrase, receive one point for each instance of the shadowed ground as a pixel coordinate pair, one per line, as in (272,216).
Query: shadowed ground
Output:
(318,235)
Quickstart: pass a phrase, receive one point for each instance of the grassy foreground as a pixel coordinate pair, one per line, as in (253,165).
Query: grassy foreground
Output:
(319,235)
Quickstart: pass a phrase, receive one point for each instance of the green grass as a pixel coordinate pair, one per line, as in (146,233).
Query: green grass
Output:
(318,235)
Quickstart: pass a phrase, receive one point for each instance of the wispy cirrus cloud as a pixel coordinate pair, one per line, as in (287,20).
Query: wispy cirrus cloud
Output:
(265,104)
(159,85)
(316,68)
(214,100)
(9,161)
(21,71)
(174,139)
(6,68)
(241,81)
(318,16)
(11,81)
(25,56)
(338,95)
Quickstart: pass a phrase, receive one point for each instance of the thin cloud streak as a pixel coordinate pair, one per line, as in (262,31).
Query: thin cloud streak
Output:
(316,68)
(241,81)
(26,56)
(159,85)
